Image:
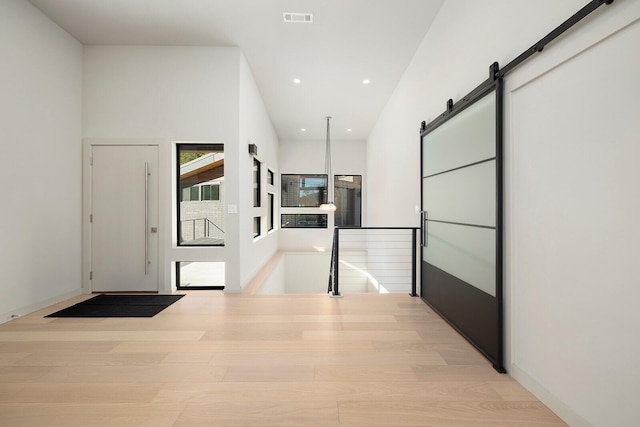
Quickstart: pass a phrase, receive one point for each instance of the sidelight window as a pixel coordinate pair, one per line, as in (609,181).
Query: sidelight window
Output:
(200,183)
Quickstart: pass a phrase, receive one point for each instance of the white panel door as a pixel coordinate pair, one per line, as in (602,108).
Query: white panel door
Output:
(124,206)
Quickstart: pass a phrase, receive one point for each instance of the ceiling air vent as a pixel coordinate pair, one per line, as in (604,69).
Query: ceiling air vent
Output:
(297,18)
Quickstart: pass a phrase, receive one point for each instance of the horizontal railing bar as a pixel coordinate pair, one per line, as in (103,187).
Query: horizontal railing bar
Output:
(364,252)
(352,237)
(378,228)
(375,240)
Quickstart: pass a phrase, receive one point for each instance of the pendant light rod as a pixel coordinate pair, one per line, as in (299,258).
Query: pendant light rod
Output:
(328,205)
(327,161)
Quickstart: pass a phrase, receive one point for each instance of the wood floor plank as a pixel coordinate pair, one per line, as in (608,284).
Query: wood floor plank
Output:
(12,374)
(79,393)
(383,373)
(203,393)
(95,415)
(9,359)
(137,374)
(260,414)
(56,346)
(384,413)
(371,335)
(273,373)
(262,332)
(90,359)
(511,391)
(212,346)
(188,358)
(130,335)
(323,357)
(459,373)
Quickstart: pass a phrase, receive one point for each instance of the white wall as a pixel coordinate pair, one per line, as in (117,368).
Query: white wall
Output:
(574,222)
(255,128)
(464,40)
(306,273)
(40,148)
(307,157)
(188,94)
(168,94)
(571,249)
(298,273)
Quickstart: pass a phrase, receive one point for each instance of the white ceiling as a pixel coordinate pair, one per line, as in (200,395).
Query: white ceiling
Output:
(349,40)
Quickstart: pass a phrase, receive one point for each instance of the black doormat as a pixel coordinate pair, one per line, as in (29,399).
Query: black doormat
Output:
(119,306)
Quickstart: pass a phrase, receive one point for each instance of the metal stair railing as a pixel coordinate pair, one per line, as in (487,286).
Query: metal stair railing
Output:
(383,261)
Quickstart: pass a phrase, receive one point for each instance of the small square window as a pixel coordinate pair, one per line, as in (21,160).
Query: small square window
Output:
(256,227)
(200,275)
(304,221)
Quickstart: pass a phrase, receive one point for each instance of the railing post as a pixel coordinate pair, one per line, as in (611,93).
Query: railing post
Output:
(334,291)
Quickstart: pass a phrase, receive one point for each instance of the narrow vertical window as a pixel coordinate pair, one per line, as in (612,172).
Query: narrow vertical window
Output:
(256,183)
(348,199)
(270,212)
(200,183)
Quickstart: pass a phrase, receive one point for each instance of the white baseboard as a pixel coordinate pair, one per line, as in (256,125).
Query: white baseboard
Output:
(23,311)
(560,408)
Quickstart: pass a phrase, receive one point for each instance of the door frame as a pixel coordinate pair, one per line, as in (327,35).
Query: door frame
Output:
(163,172)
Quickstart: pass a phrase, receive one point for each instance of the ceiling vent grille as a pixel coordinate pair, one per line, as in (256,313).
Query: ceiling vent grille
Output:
(297,18)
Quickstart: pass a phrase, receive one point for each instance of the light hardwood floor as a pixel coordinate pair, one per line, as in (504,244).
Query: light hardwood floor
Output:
(253,360)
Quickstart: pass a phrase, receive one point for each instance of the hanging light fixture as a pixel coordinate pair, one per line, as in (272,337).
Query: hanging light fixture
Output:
(328,205)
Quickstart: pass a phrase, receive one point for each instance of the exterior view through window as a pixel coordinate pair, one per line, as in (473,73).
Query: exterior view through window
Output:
(304,221)
(200,275)
(303,190)
(348,199)
(200,194)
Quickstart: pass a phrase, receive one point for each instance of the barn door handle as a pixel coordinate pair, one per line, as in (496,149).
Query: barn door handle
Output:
(425,228)
(146,218)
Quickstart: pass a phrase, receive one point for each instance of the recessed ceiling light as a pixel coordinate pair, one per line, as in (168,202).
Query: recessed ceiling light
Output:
(349,130)
(366,81)
(297,81)
(303,130)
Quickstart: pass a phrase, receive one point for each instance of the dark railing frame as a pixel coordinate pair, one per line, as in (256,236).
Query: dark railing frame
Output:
(334,289)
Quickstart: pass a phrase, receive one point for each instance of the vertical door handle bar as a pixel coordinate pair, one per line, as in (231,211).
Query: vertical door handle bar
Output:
(146,218)
(425,228)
